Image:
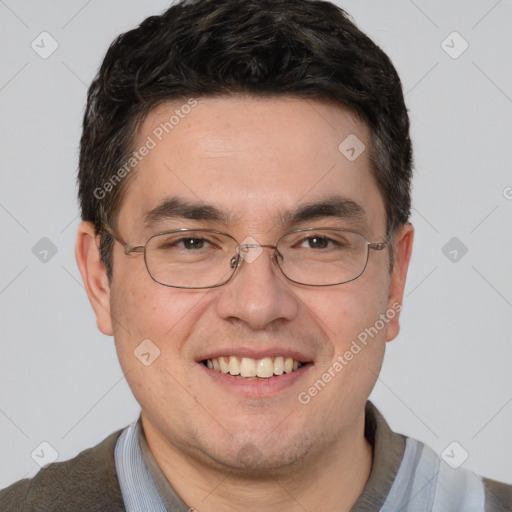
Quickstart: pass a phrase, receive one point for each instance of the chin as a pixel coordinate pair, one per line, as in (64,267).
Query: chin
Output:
(259,457)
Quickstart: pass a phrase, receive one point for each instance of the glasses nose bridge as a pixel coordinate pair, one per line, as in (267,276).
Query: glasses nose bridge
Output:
(242,249)
(254,246)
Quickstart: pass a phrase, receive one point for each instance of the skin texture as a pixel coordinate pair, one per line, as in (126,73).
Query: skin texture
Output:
(220,448)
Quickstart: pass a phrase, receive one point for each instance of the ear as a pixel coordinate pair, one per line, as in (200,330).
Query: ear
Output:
(402,247)
(94,275)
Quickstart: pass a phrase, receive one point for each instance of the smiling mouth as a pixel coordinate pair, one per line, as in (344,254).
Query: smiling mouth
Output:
(246,367)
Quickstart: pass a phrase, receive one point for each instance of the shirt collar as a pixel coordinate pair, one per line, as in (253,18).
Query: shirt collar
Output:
(169,496)
(388,451)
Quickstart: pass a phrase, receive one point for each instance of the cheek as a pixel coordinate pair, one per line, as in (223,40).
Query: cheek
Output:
(147,310)
(345,311)
(350,316)
(356,333)
(153,326)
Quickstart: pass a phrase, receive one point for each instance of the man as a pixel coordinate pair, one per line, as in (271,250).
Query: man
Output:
(244,180)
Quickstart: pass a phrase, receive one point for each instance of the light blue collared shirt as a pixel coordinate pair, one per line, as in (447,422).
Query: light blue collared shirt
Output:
(406,476)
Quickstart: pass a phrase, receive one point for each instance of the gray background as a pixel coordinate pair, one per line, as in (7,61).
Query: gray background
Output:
(445,378)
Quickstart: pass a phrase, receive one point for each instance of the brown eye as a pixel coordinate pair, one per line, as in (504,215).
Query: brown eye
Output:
(192,243)
(317,242)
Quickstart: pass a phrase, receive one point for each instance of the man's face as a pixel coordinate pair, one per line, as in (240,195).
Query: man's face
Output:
(254,160)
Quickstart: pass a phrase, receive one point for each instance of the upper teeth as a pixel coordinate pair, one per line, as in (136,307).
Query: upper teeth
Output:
(247,367)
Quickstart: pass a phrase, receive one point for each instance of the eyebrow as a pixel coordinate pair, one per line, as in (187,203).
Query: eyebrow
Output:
(174,207)
(338,207)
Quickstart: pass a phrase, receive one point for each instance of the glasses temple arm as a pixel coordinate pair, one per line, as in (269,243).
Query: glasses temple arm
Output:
(127,248)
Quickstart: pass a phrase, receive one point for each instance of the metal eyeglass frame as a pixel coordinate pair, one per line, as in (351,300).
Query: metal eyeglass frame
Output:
(236,261)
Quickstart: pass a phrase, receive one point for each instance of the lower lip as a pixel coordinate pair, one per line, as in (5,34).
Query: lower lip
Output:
(257,387)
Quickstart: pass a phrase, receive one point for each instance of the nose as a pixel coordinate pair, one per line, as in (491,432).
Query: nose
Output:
(258,294)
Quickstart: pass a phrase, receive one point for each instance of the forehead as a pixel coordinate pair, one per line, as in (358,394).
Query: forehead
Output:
(255,159)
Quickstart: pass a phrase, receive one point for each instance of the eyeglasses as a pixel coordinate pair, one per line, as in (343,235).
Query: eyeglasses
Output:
(205,258)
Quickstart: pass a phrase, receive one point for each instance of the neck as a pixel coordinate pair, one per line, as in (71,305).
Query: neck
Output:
(334,479)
